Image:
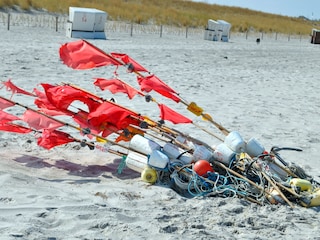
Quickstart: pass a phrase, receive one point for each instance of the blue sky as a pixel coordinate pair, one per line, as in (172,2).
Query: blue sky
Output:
(292,8)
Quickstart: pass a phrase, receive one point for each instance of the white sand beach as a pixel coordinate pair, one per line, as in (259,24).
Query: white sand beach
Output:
(269,91)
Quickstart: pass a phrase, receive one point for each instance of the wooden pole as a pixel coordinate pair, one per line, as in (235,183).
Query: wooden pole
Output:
(56,23)
(277,189)
(8,26)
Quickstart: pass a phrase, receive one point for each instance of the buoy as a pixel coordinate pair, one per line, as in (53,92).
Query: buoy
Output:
(312,199)
(254,147)
(202,167)
(149,175)
(158,160)
(223,154)
(136,161)
(303,184)
(235,142)
(143,145)
(173,151)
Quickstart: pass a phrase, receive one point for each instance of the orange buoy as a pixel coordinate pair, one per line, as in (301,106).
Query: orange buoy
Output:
(201,167)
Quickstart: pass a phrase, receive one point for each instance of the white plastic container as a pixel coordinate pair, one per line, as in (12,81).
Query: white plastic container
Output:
(201,152)
(254,147)
(143,145)
(158,160)
(223,154)
(137,162)
(235,142)
(173,151)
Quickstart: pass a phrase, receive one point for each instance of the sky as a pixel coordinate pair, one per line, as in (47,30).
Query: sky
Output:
(292,8)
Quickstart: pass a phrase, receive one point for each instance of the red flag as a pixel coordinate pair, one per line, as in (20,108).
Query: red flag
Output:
(129,61)
(167,113)
(42,101)
(10,127)
(44,105)
(11,87)
(83,55)
(50,139)
(5,103)
(110,114)
(38,121)
(81,117)
(154,83)
(114,86)
(109,129)
(62,96)
(6,117)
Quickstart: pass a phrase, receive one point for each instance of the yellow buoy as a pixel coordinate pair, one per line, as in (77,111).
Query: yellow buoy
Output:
(303,184)
(149,175)
(312,200)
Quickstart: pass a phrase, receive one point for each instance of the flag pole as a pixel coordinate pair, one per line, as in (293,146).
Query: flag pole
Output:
(192,107)
(82,130)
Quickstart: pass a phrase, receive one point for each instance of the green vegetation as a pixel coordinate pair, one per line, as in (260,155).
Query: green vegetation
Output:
(176,12)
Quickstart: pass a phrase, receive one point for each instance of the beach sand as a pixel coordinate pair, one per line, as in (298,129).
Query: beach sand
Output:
(269,91)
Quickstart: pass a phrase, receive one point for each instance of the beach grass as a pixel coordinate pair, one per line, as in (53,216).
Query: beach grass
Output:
(177,13)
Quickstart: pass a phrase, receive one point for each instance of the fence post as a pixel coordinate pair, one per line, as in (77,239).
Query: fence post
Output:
(300,36)
(160,30)
(8,26)
(187,32)
(276,36)
(131,29)
(247,35)
(56,23)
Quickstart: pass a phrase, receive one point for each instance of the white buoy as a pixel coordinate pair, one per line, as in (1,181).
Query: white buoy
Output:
(143,145)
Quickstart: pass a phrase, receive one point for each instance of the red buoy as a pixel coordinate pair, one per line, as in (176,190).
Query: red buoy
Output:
(201,167)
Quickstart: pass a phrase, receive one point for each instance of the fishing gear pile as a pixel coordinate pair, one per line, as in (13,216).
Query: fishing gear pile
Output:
(161,154)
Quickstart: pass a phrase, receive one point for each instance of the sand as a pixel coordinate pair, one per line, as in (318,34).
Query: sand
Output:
(268,91)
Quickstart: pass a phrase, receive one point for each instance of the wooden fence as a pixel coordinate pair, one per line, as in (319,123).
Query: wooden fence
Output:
(58,23)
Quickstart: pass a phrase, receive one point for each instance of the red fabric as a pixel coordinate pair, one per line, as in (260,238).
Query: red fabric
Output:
(111,115)
(127,60)
(62,96)
(11,87)
(154,83)
(50,139)
(5,103)
(115,86)
(81,118)
(10,127)
(38,121)
(109,129)
(167,113)
(83,55)
(45,105)
(6,117)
